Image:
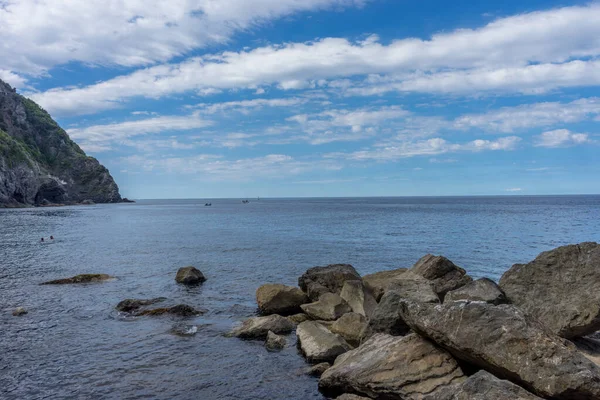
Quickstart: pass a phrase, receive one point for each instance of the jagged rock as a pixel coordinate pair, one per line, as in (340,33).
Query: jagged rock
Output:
(483,386)
(318,344)
(589,347)
(318,369)
(379,281)
(559,288)
(126,200)
(503,341)
(259,327)
(359,298)
(443,274)
(84,278)
(39,163)
(19,311)
(483,289)
(348,396)
(329,307)
(87,202)
(280,299)
(330,279)
(275,342)
(386,317)
(189,276)
(297,318)
(182,310)
(129,305)
(353,327)
(390,367)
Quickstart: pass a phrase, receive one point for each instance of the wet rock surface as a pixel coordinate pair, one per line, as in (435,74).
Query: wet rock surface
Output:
(280,299)
(275,342)
(329,279)
(259,327)
(318,344)
(189,276)
(84,278)
(130,305)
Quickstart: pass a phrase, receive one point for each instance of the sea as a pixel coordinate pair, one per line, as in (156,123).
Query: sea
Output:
(73,344)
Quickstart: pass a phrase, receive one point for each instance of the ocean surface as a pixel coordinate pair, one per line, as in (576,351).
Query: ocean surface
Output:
(74,345)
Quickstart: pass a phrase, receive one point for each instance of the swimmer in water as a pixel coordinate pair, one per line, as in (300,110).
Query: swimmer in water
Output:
(51,237)
(42,240)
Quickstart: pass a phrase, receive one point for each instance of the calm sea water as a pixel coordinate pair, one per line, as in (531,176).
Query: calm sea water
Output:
(72,344)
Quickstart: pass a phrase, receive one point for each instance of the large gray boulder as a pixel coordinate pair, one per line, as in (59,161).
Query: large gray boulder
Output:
(503,341)
(189,276)
(259,327)
(329,307)
(483,386)
(353,327)
(318,344)
(389,367)
(279,299)
(359,298)
(483,289)
(559,288)
(386,318)
(443,274)
(378,282)
(330,279)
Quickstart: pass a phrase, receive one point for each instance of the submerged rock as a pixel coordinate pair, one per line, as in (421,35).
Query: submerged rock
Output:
(275,342)
(318,369)
(559,288)
(17,312)
(318,344)
(483,289)
(392,368)
(443,274)
(484,386)
(259,327)
(330,279)
(189,276)
(359,298)
(329,307)
(280,299)
(353,327)
(84,278)
(182,310)
(503,341)
(129,305)
(184,329)
(379,282)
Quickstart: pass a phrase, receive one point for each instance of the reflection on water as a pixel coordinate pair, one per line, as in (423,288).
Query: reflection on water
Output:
(73,344)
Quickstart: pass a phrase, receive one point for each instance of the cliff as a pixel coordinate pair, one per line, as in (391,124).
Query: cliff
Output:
(40,164)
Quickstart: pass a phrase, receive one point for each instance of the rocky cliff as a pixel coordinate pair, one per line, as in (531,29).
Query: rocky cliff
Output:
(40,164)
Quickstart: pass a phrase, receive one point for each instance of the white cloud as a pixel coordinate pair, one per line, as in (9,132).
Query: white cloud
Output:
(40,34)
(12,79)
(523,53)
(560,138)
(244,106)
(513,190)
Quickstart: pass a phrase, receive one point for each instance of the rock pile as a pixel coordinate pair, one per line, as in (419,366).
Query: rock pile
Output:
(431,332)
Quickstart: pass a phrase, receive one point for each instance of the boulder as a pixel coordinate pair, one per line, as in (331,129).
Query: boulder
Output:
(297,318)
(17,312)
(275,342)
(330,279)
(84,278)
(189,276)
(349,396)
(130,305)
(484,386)
(559,288)
(503,341)
(182,310)
(318,369)
(318,344)
(390,367)
(329,307)
(443,274)
(259,327)
(359,298)
(378,282)
(386,317)
(353,327)
(483,289)
(280,299)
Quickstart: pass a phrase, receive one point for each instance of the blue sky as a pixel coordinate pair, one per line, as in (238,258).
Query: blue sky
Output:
(274,98)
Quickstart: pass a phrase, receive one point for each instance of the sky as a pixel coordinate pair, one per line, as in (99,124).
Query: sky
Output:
(294,98)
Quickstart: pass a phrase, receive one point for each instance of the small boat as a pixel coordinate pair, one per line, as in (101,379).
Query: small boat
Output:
(245,201)
(207,204)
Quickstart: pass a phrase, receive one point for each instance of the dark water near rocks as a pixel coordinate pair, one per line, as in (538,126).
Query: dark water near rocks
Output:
(73,345)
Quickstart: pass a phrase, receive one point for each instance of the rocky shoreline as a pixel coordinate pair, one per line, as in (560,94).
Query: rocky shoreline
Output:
(431,332)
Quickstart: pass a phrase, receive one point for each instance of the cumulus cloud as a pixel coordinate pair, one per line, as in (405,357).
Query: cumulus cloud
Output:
(560,138)
(529,53)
